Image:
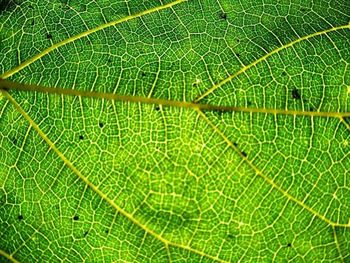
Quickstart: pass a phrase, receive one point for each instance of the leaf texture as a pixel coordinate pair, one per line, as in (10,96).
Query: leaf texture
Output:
(174,131)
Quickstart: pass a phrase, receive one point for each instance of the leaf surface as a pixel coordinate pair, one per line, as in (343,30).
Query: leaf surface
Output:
(174,131)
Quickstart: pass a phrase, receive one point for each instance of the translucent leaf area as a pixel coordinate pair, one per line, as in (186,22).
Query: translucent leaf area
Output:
(174,131)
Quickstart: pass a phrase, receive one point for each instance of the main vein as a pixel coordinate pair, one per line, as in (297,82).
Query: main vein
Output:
(10,85)
(84,34)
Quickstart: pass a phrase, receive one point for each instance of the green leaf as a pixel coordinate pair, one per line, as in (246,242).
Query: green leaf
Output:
(174,131)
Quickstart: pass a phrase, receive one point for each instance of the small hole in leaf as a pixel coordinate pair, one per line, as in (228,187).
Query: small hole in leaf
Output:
(143,74)
(20,217)
(296,94)
(49,36)
(244,154)
(106,231)
(4,88)
(235,144)
(76,218)
(223,15)
(238,55)
(157,108)
(81,137)
(85,234)
(284,74)
(14,141)
(100,124)
(289,245)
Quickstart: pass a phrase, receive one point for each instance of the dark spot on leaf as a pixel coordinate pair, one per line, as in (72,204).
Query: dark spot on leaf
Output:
(284,73)
(5,88)
(106,231)
(244,153)
(157,108)
(48,36)
(302,9)
(143,74)
(100,124)
(33,22)
(85,234)
(20,217)
(14,141)
(296,94)
(76,218)
(81,137)
(238,40)
(249,103)
(235,144)
(238,55)
(230,236)
(289,245)
(223,15)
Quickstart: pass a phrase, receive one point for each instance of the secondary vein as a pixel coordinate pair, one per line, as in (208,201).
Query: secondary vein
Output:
(265,57)
(84,34)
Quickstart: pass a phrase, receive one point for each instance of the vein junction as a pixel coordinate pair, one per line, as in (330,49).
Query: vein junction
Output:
(10,85)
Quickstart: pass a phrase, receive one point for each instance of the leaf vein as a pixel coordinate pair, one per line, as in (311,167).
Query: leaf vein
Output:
(95,188)
(266,56)
(10,85)
(268,180)
(84,34)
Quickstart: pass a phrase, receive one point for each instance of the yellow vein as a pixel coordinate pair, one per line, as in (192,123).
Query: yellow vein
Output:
(96,189)
(337,244)
(342,120)
(168,253)
(35,232)
(267,179)
(10,85)
(9,257)
(86,33)
(245,68)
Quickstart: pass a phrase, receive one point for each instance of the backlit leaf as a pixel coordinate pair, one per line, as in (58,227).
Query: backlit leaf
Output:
(174,131)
